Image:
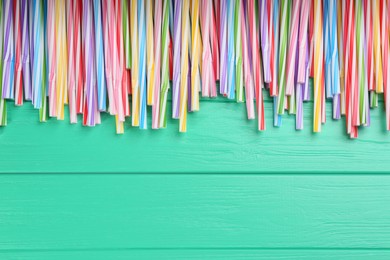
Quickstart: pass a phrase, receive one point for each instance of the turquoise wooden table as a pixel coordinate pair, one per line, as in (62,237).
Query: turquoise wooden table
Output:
(221,191)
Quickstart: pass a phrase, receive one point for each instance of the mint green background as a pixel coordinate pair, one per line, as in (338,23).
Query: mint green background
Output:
(222,190)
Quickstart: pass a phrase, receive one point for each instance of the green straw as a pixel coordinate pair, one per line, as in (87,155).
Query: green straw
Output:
(126,33)
(238,47)
(284,25)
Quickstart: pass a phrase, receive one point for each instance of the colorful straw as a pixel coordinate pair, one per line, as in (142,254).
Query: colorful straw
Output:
(150,49)
(231,70)
(91,113)
(184,66)
(3,103)
(223,41)
(61,53)
(134,65)
(318,66)
(238,52)
(196,52)
(18,53)
(157,70)
(38,57)
(264,35)
(8,52)
(164,65)
(25,50)
(142,63)
(176,58)
(99,48)
(248,78)
(284,21)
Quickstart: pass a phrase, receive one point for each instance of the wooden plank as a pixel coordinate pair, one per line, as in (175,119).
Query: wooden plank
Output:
(51,212)
(176,254)
(219,139)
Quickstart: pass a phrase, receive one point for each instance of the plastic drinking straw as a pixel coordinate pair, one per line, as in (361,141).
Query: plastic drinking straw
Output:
(308,81)
(44,92)
(264,36)
(126,85)
(334,57)
(115,106)
(335,68)
(238,51)
(38,43)
(373,99)
(170,53)
(217,13)
(259,99)
(223,41)
(367,5)
(283,55)
(256,62)
(184,67)
(164,65)
(90,69)
(3,103)
(78,58)
(61,66)
(71,60)
(350,64)
(107,20)
(327,52)
(231,83)
(273,83)
(176,58)
(299,95)
(25,50)
(52,56)
(150,59)
(302,40)
(311,39)
(126,34)
(318,63)
(16,5)
(385,59)
(121,86)
(354,76)
(170,14)
(249,88)
(292,47)
(134,65)
(208,78)
(196,51)
(275,10)
(157,62)
(99,48)
(214,35)
(362,92)
(8,52)
(346,40)
(377,46)
(142,63)
(127,46)
(341,56)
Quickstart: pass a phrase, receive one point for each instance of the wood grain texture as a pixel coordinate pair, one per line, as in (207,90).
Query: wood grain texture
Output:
(88,212)
(179,254)
(219,139)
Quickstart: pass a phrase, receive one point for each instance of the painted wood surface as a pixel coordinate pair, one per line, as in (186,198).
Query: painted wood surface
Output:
(219,139)
(221,191)
(148,216)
